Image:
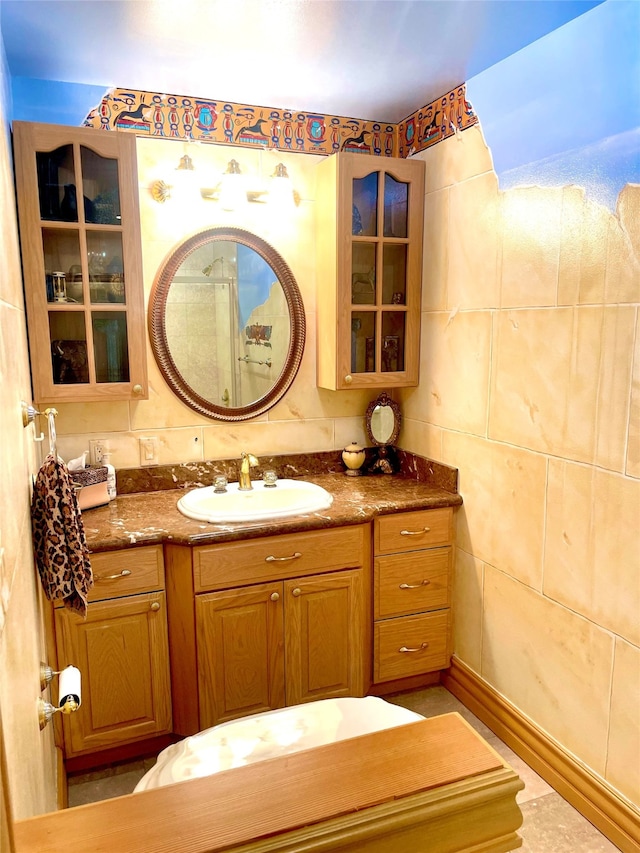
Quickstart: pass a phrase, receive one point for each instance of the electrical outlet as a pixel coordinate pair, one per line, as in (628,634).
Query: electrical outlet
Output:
(97,449)
(149,451)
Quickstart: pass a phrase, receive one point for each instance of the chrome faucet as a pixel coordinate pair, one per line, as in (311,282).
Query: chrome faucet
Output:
(247,462)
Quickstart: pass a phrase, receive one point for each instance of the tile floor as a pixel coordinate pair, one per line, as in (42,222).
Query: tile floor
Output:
(550,825)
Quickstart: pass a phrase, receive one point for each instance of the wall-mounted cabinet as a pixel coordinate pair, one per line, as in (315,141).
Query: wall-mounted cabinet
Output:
(369,271)
(77,194)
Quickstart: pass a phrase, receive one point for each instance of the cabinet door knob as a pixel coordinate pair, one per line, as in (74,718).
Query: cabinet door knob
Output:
(137,389)
(415,532)
(123,574)
(348,379)
(275,596)
(296,592)
(419,648)
(425,582)
(155,606)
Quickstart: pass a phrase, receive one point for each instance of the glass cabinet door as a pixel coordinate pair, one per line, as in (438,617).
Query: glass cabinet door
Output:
(379,246)
(80,281)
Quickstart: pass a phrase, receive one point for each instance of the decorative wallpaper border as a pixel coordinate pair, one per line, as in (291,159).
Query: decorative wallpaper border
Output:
(180,117)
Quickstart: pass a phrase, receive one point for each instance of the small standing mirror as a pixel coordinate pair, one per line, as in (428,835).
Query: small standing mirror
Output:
(383,421)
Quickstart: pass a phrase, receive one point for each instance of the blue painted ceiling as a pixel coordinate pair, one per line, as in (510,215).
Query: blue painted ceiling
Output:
(374,59)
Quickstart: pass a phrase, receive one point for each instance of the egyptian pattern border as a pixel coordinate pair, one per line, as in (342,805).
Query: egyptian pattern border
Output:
(159,115)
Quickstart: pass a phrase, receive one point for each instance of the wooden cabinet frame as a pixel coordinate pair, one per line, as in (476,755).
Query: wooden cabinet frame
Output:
(29,139)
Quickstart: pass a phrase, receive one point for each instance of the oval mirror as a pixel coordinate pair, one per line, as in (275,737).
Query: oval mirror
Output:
(227,324)
(383,420)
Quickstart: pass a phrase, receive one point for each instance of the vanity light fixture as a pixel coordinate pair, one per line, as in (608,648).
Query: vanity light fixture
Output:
(185,172)
(232,191)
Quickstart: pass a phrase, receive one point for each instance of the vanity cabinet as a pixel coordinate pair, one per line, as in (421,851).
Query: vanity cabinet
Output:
(122,652)
(77,194)
(285,621)
(413,554)
(369,262)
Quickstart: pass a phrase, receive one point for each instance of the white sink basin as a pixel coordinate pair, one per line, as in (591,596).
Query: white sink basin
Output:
(287,497)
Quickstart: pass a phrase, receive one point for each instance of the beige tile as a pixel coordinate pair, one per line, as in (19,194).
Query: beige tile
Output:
(571,227)
(226,441)
(623,758)
(94,418)
(531,218)
(29,753)
(593,255)
(628,211)
(435,255)
(454,353)
(348,430)
(552,664)
(467,609)
(502,519)
(633,444)
(473,280)
(421,438)
(592,549)
(622,273)
(560,381)
(456,159)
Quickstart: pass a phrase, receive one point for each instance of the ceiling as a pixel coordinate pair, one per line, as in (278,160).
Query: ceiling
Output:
(372,59)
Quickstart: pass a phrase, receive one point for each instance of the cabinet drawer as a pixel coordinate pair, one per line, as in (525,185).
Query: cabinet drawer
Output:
(278,557)
(118,573)
(411,583)
(409,531)
(424,638)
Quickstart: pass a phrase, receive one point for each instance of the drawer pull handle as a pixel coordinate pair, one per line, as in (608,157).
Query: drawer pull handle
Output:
(272,559)
(155,606)
(425,582)
(420,648)
(296,592)
(415,532)
(275,596)
(123,574)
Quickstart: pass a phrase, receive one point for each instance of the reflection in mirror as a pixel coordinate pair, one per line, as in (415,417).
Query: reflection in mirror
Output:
(383,420)
(227,324)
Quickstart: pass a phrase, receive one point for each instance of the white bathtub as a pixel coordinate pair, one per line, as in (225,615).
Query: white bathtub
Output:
(274,733)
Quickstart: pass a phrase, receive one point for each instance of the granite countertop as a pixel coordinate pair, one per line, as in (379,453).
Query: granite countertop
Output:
(146,513)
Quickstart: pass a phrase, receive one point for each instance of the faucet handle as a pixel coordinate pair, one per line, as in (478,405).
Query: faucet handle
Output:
(270,478)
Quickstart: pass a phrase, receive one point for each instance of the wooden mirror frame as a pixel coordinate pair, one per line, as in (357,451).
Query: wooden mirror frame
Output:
(383,400)
(158,336)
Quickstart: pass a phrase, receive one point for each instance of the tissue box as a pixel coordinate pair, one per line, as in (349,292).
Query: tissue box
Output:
(91,487)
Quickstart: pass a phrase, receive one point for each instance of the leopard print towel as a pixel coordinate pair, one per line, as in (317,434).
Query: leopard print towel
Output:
(59,542)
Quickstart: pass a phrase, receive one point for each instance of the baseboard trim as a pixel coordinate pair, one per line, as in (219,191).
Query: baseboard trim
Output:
(598,802)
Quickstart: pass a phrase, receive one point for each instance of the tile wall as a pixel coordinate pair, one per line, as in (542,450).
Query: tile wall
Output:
(530,385)
(28,753)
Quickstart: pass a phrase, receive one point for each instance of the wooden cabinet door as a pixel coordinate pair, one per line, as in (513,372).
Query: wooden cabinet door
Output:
(325,626)
(122,652)
(77,194)
(240,652)
(370,235)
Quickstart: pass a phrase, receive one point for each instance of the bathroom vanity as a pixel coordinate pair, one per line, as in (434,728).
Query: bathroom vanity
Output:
(226,620)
